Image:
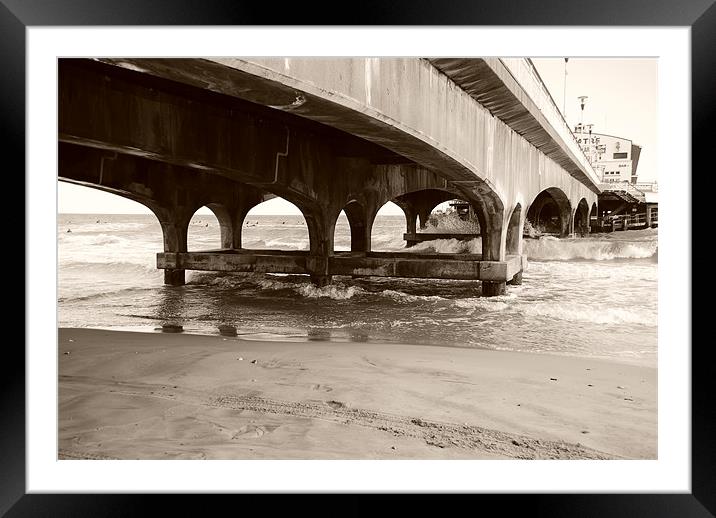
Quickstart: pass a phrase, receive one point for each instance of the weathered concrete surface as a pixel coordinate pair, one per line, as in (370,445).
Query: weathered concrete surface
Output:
(327,135)
(317,168)
(411,107)
(512,91)
(372,264)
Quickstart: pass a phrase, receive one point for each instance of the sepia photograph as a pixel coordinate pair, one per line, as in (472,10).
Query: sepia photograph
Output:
(374,258)
(268,251)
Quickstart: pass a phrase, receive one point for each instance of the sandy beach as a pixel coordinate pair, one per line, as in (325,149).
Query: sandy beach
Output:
(128,395)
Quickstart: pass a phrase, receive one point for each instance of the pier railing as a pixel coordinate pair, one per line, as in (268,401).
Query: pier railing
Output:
(630,221)
(647,186)
(625,186)
(524,71)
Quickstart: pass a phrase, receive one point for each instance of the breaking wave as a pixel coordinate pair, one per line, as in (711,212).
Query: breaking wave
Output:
(586,313)
(550,248)
(118,291)
(332,291)
(111,267)
(296,285)
(448,246)
(399,296)
(93,239)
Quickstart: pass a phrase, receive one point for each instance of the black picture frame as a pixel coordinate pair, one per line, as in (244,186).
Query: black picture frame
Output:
(700,15)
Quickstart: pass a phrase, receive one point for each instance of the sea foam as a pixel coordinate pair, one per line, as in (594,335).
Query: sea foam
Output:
(547,248)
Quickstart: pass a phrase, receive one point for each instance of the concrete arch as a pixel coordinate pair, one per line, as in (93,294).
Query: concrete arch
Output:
(513,245)
(421,203)
(254,231)
(402,183)
(174,223)
(150,203)
(230,209)
(581,218)
(200,226)
(551,212)
(488,209)
(230,206)
(388,242)
(410,215)
(360,209)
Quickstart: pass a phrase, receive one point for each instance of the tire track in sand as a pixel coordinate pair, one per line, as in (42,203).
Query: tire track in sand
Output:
(442,435)
(434,433)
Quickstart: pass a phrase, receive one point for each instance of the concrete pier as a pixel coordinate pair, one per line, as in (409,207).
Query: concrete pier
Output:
(493,289)
(174,277)
(328,135)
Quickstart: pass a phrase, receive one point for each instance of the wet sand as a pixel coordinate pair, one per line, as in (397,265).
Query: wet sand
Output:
(125,395)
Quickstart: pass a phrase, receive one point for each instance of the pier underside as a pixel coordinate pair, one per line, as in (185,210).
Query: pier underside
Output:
(179,134)
(356,264)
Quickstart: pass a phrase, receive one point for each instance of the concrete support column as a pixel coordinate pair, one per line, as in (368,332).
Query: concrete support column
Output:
(424,205)
(536,211)
(567,224)
(175,227)
(321,224)
(174,277)
(515,227)
(360,227)
(410,218)
(223,216)
(371,211)
(492,249)
(424,216)
(232,213)
(238,216)
(493,289)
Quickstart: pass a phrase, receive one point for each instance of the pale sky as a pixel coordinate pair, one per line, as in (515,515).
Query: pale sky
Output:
(621,99)
(621,102)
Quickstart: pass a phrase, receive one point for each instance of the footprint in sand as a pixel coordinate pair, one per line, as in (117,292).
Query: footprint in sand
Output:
(336,404)
(324,388)
(249,431)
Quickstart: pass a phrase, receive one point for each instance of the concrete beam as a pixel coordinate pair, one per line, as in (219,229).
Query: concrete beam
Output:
(226,262)
(373,264)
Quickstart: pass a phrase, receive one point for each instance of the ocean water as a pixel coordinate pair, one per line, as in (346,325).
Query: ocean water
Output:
(590,297)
